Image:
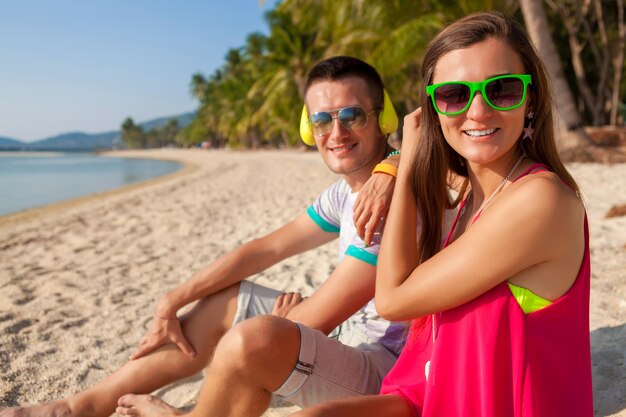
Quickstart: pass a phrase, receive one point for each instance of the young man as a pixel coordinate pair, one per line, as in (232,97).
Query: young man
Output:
(288,353)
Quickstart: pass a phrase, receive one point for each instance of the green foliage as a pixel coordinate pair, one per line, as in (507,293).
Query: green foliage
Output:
(134,137)
(591,48)
(255,98)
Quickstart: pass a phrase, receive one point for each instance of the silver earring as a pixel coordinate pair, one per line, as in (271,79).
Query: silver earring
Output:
(528,126)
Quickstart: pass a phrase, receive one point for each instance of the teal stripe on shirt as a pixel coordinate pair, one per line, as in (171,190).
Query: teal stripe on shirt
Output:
(327,227)
(362,254)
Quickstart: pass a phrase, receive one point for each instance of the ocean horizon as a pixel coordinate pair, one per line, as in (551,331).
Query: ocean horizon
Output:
(34,179)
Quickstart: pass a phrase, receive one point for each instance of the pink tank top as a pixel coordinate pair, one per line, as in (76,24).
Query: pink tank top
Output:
(489,359)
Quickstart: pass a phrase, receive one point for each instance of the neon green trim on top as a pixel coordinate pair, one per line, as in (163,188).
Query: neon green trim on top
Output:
(528,300)
(327,227)
(362,255)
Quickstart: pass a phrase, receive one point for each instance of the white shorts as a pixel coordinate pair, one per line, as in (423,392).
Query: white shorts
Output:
(345,364)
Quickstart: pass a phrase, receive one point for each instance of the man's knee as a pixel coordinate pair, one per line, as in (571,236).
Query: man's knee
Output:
(260,346)
(259,337)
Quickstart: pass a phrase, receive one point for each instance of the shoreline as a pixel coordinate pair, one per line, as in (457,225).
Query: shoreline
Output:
(36,212)
(79,278)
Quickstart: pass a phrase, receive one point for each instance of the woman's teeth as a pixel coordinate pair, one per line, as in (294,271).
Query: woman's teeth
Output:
(477,133)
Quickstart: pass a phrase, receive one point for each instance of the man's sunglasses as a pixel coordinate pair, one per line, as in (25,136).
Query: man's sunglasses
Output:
(351,118)
(504,92)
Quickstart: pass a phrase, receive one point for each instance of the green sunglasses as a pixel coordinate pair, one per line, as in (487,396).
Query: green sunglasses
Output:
(504,92)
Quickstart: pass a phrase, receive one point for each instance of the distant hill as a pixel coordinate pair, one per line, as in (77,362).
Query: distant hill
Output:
(79,141)
(183,120)
(76,141)
(8,143)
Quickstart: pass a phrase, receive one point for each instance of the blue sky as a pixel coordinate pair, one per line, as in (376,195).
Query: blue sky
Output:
(76,65)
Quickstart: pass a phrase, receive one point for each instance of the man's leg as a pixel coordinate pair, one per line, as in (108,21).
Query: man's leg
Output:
(269,354)
(203,327)
(363,406)
(251,361)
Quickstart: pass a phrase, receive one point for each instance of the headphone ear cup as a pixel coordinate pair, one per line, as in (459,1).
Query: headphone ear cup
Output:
(305,129)
(387,118)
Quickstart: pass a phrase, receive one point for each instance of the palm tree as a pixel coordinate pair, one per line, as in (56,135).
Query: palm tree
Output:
(391,36)
(257,95)
(570,133)
(291,50)
(198,86)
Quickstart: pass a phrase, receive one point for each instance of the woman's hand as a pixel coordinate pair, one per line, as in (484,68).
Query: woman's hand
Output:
(285,302)
(372,205)
(410,134)
(163,331)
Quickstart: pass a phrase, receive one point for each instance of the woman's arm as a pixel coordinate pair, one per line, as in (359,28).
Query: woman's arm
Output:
(532,234)
(398,251)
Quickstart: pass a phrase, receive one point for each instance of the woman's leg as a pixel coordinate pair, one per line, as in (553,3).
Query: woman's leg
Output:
(203,327)
(366,406)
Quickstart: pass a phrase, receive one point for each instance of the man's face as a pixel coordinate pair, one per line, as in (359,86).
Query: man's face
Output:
(352,153)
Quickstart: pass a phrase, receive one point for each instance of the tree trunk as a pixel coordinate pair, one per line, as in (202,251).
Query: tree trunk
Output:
(618,63)
(602,104)
(568,123)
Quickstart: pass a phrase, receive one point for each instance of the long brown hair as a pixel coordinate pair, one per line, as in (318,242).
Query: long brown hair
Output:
(434,158)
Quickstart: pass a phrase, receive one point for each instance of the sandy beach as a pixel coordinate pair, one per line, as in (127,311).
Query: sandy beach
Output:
(79,279)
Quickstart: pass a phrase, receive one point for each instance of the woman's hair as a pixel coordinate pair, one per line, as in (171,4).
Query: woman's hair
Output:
(434,158)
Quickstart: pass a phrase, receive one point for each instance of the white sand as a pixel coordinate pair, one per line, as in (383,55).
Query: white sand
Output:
(78,280)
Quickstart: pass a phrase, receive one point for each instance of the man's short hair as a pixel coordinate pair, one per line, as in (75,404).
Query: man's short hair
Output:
(340,67)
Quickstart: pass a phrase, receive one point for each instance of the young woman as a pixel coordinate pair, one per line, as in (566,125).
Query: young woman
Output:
(502,306)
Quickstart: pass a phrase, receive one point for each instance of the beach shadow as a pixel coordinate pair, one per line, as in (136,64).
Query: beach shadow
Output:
(182,394)
(608,355)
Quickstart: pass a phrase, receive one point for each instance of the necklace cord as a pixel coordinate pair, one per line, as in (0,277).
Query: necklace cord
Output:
(501,186)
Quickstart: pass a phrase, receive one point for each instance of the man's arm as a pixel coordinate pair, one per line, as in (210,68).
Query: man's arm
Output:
(299,235)
(350,286)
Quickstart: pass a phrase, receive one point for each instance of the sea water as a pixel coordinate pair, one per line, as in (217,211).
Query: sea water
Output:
(33,180)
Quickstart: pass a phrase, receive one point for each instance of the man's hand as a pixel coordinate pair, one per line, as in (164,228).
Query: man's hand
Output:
(285,302)
(372,205)
(162,332)
(373,202)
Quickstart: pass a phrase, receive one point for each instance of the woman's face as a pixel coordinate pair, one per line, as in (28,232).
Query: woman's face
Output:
(482,134)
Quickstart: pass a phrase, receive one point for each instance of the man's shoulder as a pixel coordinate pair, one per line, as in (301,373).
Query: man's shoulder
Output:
(336,195)
(327,208)
(340,187)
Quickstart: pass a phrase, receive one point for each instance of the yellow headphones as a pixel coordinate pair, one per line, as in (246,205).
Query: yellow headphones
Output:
(387,121)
